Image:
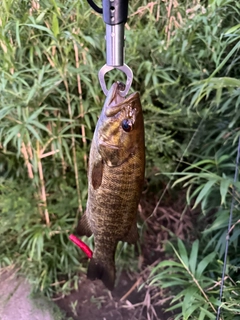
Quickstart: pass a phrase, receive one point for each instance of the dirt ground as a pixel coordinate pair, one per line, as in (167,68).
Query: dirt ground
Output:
(93,301)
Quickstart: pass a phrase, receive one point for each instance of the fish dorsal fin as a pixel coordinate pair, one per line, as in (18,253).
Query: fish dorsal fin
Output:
(83,228)
(132,236)
(97,173)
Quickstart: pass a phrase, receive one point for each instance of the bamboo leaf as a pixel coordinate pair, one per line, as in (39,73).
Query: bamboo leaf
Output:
(11,134)
(55,25)
(224,185)
(204,192)
(34,132)
(40,126)
(42,28)
(183,253)
(207,313)
(5,111)
(86,118)
(193,256)
(233,29)
(35,114)
(204,263)
(17,34)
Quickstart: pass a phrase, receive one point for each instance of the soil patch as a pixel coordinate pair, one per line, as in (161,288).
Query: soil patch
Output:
(93,301)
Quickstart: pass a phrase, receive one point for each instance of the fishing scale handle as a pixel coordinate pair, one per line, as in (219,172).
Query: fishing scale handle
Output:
(115,14)
(115,11)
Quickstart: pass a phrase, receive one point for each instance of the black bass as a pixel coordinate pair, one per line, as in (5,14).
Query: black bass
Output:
(115,180)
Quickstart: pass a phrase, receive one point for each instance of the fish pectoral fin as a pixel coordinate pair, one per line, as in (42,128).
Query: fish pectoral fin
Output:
(83,228)
(132,236)
(97,173)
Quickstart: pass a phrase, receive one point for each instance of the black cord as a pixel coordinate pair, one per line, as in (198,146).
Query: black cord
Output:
(228,235)
(95,7)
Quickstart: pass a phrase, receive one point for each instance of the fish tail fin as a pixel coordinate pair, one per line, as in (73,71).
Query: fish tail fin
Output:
(103,271)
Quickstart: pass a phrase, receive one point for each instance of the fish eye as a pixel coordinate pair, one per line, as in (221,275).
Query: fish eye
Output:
(127,125)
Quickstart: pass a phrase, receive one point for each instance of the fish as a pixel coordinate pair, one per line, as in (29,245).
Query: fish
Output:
(115,181)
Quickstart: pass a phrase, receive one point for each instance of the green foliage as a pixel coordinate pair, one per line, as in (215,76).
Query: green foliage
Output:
(186,69)
(43,253)
(210,49)
(194,281)
(45,128)
(50,97)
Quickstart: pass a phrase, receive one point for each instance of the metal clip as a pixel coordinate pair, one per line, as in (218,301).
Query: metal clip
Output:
(125,69)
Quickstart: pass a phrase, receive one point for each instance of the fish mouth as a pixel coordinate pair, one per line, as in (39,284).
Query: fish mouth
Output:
(116,102)
(116,87)
(116,99)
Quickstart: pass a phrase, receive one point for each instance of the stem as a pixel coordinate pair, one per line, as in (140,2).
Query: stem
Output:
(168,26)
(74,150)
(142,9)
(194,279)
(42,185)
(35,6)
(26,159)
(50,153)
(158,12)
(80,100)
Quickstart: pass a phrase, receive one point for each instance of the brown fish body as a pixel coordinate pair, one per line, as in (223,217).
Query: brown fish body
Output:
(116,174)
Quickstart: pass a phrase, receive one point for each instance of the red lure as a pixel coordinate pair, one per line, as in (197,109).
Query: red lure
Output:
(81,245)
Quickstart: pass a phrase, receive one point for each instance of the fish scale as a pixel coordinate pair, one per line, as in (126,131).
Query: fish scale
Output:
(115,180)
